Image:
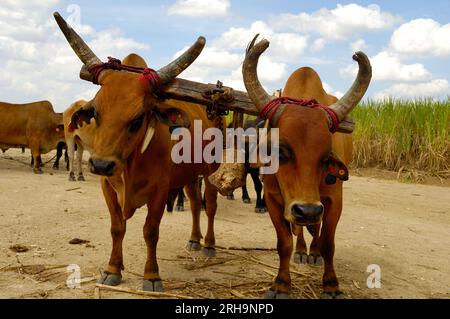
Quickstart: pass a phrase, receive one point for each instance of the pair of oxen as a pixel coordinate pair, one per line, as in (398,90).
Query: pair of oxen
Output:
(126,129)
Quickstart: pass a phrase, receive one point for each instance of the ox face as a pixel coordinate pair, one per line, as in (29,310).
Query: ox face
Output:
(305,144)
(119,110)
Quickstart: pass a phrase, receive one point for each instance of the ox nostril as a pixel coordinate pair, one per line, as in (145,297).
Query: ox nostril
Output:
(307,211)
(297,211)
(99,167)
(110,167)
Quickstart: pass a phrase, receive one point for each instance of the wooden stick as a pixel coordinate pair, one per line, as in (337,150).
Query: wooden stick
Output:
(254,259)
(313,292)
(246,248)
(237,293)
(270,273)
(231,274)
(97,293)
(72,189)
(208,264)
(142,293)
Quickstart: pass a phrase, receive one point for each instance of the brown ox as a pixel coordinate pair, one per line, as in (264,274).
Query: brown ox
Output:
(32,125)
(81,137)
(297,195)
(131,149)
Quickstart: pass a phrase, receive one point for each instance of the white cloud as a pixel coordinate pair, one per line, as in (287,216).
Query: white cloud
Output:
(422,37)
(340,23)
(36,61)
(358,45)
(318,45)
(284,47)
(329,90)
(388,67)
(439,88)
(199,8)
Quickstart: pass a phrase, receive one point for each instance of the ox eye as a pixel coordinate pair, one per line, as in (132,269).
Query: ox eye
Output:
(285,154)
(136,124)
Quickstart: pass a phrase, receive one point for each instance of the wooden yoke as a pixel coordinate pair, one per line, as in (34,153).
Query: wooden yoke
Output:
(203,94)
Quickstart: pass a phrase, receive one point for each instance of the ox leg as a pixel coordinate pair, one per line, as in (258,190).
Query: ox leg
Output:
(314,257)
(112,274)
(152,280)
(332,213)
(80,150)
(260,202)
(71,152)
(282,286)
(171,199)
(209,249)
(66,159)
(245,197)
(180,201)
(59,154)
(194,194)
(300,256)
(36,158)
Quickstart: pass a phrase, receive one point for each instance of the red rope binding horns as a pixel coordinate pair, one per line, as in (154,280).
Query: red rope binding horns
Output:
(269,110)
(150,75)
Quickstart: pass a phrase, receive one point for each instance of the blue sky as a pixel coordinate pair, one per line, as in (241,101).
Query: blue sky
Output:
(408,43)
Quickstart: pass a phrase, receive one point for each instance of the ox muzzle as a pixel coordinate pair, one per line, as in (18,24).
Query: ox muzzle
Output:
(307,214)
(104,168)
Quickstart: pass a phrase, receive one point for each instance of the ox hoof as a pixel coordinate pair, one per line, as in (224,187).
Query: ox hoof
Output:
(110,279)
(72,177)
(155,285)
(55,167)
(246,200)
(332,295)
(179,208)
(315,260)
(193,245)
(38,171)
(230,197)
(81,178)
(209,252)
(300,258)
(274,294)
(260,210)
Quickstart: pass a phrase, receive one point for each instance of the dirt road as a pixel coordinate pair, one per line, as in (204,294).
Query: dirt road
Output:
(403,228)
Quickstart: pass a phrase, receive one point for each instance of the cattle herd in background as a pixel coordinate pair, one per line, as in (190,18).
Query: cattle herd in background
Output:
(125,131)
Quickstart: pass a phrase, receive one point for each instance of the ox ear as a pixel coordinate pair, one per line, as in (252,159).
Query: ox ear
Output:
(83,115)
(172,116)
(335,168)
(59,128)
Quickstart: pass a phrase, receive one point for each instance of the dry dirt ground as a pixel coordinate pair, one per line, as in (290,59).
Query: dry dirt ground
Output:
(403,228)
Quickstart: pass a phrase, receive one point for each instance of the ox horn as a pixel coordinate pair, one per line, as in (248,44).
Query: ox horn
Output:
(79,47)
(174,68)
(352,97)
(255,90)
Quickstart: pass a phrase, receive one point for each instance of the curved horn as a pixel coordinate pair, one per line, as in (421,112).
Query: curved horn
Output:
(255,90)
(78,45)
(174,68)
(352,97)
